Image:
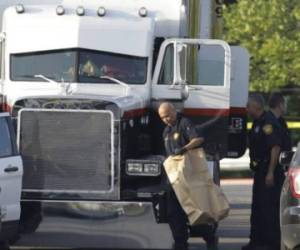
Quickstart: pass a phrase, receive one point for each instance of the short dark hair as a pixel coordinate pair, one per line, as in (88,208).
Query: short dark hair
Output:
(257,98)
(275,100)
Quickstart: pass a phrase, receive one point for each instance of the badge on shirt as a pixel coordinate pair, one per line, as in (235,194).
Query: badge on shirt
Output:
(268,129)
(256,129)
(176,136)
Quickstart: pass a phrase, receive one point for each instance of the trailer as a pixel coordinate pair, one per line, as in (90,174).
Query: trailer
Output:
(82,80)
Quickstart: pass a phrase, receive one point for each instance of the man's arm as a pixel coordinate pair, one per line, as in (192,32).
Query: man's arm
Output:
(195,142)
(275,151)
(191,135)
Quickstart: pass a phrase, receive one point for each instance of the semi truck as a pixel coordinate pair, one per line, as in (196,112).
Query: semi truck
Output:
(81,81)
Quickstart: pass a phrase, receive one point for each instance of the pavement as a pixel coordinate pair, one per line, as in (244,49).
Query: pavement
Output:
(233,232)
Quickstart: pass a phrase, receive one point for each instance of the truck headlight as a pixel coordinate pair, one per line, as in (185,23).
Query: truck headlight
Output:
(134,168)
(152,168)
(143,168)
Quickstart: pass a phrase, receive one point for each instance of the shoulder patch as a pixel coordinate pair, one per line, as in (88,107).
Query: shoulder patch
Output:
(268,129)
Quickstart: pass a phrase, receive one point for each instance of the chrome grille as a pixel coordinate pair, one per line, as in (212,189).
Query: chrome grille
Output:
(67,152)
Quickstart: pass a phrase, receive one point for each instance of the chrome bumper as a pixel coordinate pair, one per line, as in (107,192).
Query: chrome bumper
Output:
(66,224)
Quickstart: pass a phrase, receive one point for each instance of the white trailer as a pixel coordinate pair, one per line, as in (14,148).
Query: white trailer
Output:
(82,80)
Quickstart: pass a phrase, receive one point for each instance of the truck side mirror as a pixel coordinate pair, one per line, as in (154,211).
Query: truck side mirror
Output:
(285,158)
(185,92)
(180,73)
(181,63)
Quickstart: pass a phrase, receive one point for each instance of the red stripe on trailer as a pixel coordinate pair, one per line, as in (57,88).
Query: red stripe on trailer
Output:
(206,112)
(192,112)
(6,108)
(215,112)
(134,113)
(238,111)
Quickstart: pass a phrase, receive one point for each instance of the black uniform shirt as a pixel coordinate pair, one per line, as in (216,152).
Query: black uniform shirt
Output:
(178,135)
(264,135)
(286,136)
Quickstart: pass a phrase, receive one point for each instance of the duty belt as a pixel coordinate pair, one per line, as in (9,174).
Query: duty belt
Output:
(255,163)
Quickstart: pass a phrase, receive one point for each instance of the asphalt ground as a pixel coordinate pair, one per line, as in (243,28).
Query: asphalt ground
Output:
(233,232)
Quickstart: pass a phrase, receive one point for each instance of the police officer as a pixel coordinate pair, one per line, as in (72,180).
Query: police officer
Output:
(179,136)
(265,142)
(277,105)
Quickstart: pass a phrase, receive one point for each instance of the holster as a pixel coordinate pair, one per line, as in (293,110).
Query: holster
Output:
(256,165)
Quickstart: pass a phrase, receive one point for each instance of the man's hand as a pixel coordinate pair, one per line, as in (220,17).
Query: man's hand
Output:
(180,151)
(270,179)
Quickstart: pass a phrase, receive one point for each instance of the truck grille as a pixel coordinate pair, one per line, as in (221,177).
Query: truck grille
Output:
(69,153)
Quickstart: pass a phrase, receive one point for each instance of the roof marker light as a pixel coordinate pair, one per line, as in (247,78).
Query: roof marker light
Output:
(143,12)
(20,8)
(60,10)
(80,11)
(101,11)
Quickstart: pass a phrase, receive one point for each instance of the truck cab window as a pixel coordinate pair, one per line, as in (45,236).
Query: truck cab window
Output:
(167,71)
(198,66)
(95,65)
(58,66)
(5,140)
(210,60)
(78,65)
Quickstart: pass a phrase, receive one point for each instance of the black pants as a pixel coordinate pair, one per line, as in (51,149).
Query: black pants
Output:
(265,225)
(177,220)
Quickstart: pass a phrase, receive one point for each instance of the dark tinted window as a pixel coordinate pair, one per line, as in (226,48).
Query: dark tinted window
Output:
(78,65)
(5,139)
(57,66)
(94,65)
(167,70)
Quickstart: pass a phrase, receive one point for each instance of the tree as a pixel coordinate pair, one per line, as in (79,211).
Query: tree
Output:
(270,30)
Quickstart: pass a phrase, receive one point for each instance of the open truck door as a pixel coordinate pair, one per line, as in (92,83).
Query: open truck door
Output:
(11,171)
(194,74)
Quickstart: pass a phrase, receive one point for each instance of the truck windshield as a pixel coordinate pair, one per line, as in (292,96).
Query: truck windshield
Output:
(78,65)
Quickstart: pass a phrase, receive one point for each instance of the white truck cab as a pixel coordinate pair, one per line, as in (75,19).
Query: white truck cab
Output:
(82,80)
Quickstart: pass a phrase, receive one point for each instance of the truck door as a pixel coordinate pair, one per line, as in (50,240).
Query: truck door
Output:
(11,171)
(196,74)
(239,85)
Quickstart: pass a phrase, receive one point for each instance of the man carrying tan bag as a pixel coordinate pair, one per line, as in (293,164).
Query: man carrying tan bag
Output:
(201,199)
(181,143)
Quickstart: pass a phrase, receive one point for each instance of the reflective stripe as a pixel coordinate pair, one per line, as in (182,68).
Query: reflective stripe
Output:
(291,125)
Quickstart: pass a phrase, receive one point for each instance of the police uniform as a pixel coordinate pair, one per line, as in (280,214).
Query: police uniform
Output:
(286,135)
(266,133)
(176,137)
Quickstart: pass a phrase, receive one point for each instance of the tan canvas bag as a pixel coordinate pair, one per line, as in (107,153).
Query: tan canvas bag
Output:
(201,199)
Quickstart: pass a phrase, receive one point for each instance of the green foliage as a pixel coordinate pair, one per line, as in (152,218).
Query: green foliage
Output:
(270,30)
